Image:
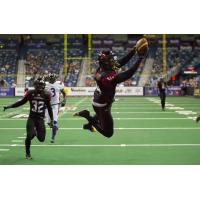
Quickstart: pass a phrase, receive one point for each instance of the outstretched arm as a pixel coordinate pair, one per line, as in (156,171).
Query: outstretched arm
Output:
(121,77)
(17,104)
(126,58)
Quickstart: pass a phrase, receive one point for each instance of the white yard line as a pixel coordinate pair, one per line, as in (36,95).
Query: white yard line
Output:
(115,118)
(17,141)
(178,110)
(137,108)
(162,128)
(132,112)
(4,149)
(104,145)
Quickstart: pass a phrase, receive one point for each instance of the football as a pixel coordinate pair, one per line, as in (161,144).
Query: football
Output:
(142,46)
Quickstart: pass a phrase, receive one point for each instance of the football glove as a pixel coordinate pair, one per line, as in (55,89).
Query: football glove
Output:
(50,124)
(63,103)
(5,108)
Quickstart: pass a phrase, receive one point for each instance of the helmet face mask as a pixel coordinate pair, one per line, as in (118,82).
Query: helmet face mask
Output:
(108,61)
(52,78)
(39,84)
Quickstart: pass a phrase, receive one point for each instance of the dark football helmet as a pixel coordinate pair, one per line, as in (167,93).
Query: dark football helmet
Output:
(52,78)
(39,84)
(108,61)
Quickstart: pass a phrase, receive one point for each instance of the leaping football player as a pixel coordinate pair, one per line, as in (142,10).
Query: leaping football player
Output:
(107,79)
(55,87)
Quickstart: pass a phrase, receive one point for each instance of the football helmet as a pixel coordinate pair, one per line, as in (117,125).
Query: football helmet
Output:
(108,60)
(52,78)
(39,83)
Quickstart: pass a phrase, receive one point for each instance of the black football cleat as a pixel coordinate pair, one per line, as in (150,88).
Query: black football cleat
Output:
(28,157)
(89,127)
(52,141)
(197,119)
(83,113)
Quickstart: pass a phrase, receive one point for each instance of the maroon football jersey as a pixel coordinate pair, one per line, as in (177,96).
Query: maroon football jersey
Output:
(38,102)
(106,87)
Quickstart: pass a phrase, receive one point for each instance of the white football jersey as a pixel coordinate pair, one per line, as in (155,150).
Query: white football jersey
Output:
(55,91)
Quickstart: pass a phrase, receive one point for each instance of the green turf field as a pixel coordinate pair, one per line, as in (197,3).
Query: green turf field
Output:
(143,134)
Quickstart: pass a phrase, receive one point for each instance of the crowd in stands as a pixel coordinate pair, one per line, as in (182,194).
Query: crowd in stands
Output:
(42,61)
(8,62)
(178,57)
(42,57)
(76,51)
(73,69)
(39,61)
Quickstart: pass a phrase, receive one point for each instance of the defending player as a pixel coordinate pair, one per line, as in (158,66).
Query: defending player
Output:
(162,92)
(39,99)
(55,87)
(107,79)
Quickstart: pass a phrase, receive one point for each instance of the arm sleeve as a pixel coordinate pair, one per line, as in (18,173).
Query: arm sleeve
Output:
(49,108)
(19,103)
(121,77)
(126,58)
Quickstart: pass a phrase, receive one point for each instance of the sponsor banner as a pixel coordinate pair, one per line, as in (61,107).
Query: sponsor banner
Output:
(129,91)
(174,91)
(81,91)
(7,92)
(89,91)
(120,91)
(171,91)
(150,91)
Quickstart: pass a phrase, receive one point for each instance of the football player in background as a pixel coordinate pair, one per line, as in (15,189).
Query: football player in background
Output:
(162,85)
(39,99)
(107,79)
(55,87)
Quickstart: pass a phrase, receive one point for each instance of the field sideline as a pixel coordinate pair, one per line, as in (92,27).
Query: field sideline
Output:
(143,134)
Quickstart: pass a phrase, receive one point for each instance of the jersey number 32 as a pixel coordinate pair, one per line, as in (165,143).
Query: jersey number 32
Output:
(38,106)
